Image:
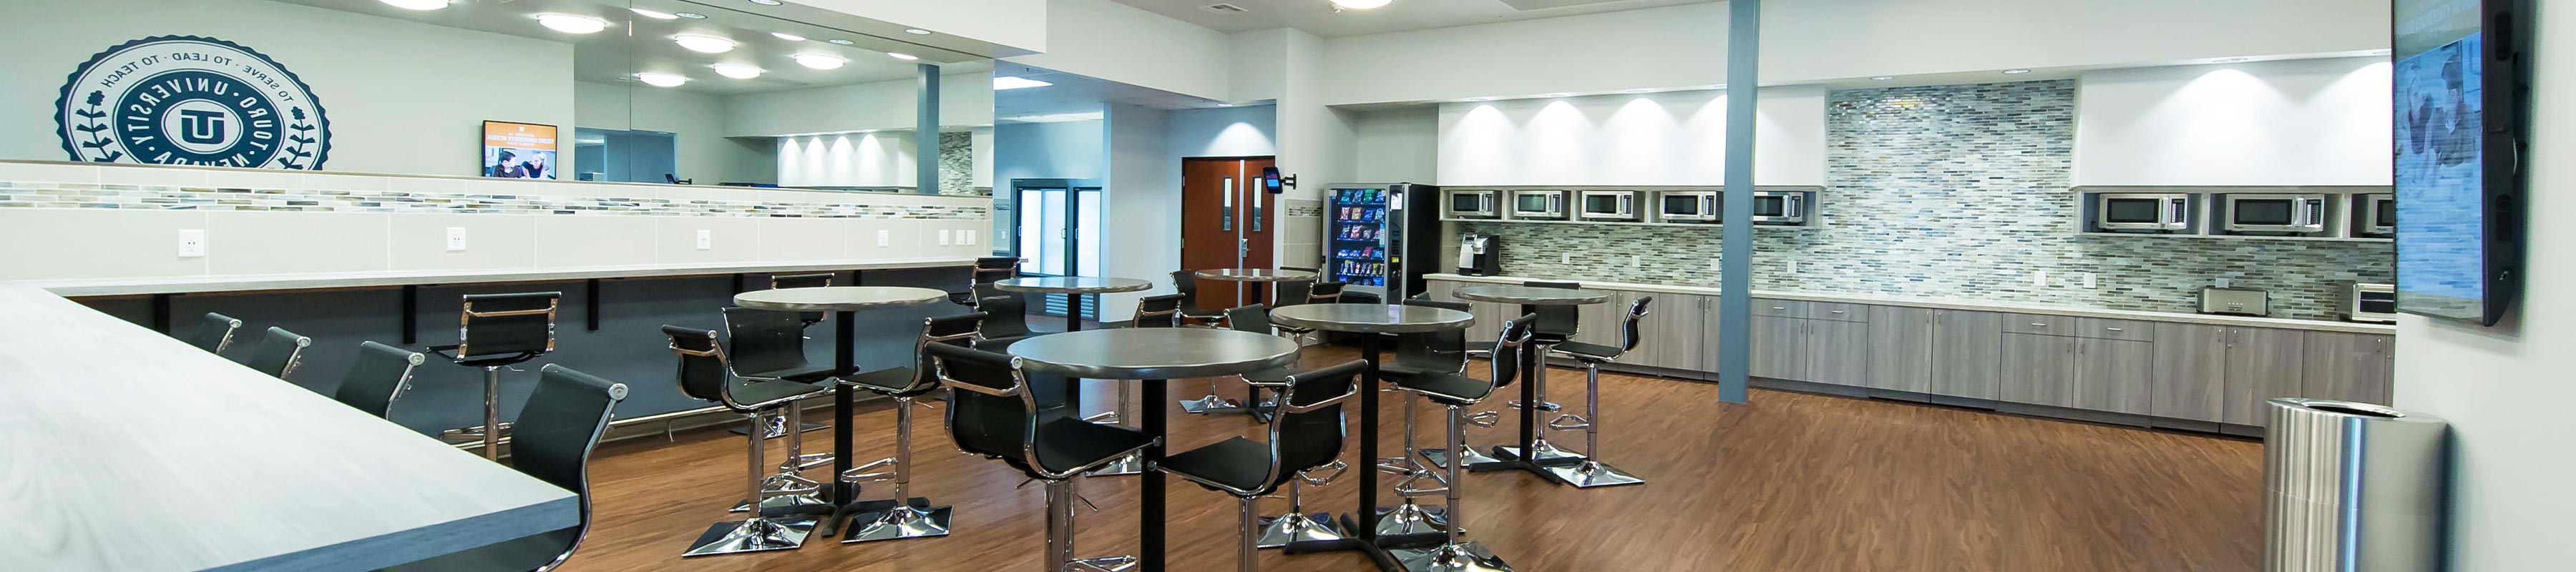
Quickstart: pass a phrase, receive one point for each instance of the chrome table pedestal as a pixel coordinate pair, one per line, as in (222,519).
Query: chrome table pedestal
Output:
(1367,537)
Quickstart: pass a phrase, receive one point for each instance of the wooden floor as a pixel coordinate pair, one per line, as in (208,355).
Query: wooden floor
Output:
(1789,482)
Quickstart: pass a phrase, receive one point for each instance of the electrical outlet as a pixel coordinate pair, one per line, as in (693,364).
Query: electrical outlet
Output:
(2089,281)
(1564,258)
(2039,278)
(944,237)
(2223,282)
(1716,264)
(966,237)
(192,243)
(455,239)
(1635,261)
(885,238)
(1793,266)
(706,239)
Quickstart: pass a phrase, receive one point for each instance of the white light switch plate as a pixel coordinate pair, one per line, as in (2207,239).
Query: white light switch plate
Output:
(1636,260)
(2089,282)
(2039,278)
(2223,282)
(192,243)
(966,237)
(1793,266)
(1565,258)
(706,240)
(944,237)
(455,239)
(885,238)
(1716,264)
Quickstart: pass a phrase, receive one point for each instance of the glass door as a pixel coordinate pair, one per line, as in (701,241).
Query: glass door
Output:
(1058,234)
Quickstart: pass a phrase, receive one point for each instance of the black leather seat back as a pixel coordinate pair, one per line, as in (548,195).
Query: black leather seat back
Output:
(958,330)
(1555,323)
(1629,336)
(1158,311)
(1508,346)
(1325,292)
(1443,347)
(214,332)
(556,432)
(989,412)
(702,363)
(765,341)
(995,269)
(377,378)
(1006,313)
(279,353)
(1308,439)
(501,325)
(815,280)
(1295,292)
(1254,318)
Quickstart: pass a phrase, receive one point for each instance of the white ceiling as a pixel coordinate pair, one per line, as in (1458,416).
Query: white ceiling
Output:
(1074,95)
(1319,18)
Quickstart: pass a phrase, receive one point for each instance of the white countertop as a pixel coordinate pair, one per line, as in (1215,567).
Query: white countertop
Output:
(249,283)
(131,450)
(1964,304)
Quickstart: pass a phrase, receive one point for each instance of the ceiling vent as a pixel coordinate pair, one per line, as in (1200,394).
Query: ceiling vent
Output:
(1226,8)
(1527,5)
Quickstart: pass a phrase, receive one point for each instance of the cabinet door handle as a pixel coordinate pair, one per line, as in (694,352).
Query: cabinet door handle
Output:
(1838,311)
(1779,308)
(2113,329)
(2038,324)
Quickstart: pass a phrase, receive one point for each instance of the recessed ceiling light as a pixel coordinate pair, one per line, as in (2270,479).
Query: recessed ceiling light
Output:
(736,71)
(661,79)
(820,61)
(703,44)
(1555,94)
(1016,82)
(767,2)
(1639,91)
(1225,105)
(1881,77)
(788,36)
(2016,71)
(902,56)
(916,31)
(2232,60)
(571,24)
(657,15)
(416,4)
(1360,4)
(690,15)
(842,42)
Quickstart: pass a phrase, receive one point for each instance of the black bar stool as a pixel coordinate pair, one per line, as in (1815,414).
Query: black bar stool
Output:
(1006,317)
(1556,326)
(279,353)
(778,426)
(377,378)
(770,344)
(214,332)
(992,413)
(905,516)
(1186,283)
(557,431)
(987,271)
(496,331)
(814,280)
(1458,392)
(1162,311)
(1294,293)
(1307,434)
(706,372)
(1592,472)
(1442,352)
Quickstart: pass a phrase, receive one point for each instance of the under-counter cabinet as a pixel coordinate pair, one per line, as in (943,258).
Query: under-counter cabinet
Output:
(1779,346)
(2350,367)
(2091,373)
(2262,363)
(1837,351)
(1900,349)
(2190,377)
(1675,332)
(1967,354)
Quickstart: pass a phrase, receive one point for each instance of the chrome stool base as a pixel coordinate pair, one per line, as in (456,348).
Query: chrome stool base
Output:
(1592,474)
(1213,404)
(1128,465)
(1461,557)
(1440,457)
(1548,406)
(754,536)
(776,430)
(1412,519)
(1279,531)
(1547,452)
(899,522)
(776,500)
(1102,564)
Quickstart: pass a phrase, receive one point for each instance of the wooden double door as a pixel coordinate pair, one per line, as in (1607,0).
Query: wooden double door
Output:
(1227,221)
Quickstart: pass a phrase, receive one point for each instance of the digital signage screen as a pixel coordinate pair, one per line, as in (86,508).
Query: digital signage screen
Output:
(518,150)
(2458,126)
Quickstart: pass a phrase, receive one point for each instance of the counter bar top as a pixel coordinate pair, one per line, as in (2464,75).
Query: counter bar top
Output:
(1962,304)
(131,450)
(240,283)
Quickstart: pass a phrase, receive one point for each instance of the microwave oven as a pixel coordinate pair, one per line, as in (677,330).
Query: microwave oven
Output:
(1540,205)
(2378,214)
(2370,303)
(1608,205)
(2276,213)
(1474,204)
(1686,206)
(1786,208)
(2142,211)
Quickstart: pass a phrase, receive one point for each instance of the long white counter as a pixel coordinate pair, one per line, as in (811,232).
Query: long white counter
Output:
(1979,305)
(248,283)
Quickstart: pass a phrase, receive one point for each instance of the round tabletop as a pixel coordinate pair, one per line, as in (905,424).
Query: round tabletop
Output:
(1155,353)
(1532,295)
(1371,318)
(1256,275)
(1073,284)
(837,298)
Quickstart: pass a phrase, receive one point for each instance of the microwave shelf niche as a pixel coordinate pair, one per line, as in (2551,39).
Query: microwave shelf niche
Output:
(2358,214)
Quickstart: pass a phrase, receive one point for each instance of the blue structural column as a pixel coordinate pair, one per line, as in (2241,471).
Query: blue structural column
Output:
(925,135)
(1735,250)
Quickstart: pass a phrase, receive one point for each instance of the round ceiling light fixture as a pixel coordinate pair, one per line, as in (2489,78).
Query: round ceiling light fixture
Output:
(571,23)
(662,79)
(820,61)
(842,42)
(654,14)
(902,56)
(703,44)
(736,71)
(1360,4)
(2016,71)
(767,2)
(1881,77)
(788,36)
(423,5)
(916,31)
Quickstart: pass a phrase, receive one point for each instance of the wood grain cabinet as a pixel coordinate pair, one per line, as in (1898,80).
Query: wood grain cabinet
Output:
(2038,369)
(1674,332)
(2350,367)
(2262,363)
(2189,380)
(1779,345)
(2112,375)
(1900,349)
(1837,351)
(1967,353)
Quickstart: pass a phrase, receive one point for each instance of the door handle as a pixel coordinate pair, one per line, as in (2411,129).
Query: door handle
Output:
(1242,249)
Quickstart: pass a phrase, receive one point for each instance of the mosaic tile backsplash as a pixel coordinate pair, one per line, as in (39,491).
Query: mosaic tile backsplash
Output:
(957,165)
(154,197)
(1958,191)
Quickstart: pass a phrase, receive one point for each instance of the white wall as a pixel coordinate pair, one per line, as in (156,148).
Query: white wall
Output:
(420,113)
(1144,205)
(1810,40)
(1243,131)
(1015,23)
(1316,143)
(2301,122)
(1121,43)
(1396,145)
(1059,150)
(1647,139)
(965,100)
(2505,388)
(879,159)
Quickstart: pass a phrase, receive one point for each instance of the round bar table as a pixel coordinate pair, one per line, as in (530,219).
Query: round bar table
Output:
(1075,288)
(1369,319)
(1151,356)
(1533,360)
(843,302)
(1259,279)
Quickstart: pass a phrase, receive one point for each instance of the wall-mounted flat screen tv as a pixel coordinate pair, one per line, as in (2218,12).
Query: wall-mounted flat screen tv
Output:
(2460,84)
(518,150)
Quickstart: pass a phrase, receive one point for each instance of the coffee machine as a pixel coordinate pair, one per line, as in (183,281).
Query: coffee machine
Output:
(1480,254)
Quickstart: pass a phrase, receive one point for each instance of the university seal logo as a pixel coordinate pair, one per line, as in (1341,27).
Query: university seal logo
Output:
(187,100)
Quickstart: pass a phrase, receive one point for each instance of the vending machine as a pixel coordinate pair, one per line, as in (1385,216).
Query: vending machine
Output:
(1381,238)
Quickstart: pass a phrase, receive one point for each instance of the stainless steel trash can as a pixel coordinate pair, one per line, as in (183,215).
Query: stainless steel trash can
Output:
(2353,487)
